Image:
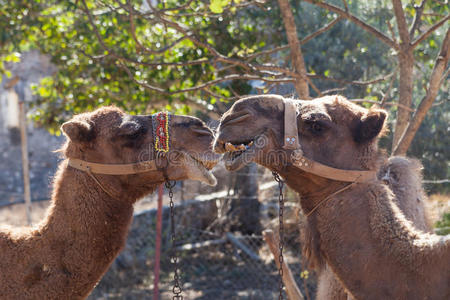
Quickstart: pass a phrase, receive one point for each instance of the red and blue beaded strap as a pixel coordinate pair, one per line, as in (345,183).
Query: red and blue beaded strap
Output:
(161,131)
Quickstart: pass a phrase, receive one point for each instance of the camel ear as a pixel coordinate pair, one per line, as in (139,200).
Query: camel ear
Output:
(370,125)
(78,131)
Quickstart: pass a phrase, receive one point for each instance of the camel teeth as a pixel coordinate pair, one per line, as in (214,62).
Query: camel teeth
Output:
(240,147)
(229,147)
(233,148)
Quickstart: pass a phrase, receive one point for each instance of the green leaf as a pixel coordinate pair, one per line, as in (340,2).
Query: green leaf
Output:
(432,44)
(304,274)
(13,57)
(217,6)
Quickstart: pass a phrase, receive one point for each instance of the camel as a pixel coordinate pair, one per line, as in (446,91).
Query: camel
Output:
(85,228)
(357,229)
(403,176)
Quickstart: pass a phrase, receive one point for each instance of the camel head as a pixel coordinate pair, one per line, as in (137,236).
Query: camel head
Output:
(331,130)
(110,136)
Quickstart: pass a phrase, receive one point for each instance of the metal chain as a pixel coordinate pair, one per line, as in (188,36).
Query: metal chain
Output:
(280,232)
(177,290)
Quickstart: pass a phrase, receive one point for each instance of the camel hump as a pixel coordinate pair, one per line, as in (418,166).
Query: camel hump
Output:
(403,175)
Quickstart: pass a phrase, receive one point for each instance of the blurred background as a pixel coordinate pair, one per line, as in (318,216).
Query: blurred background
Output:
(60,58)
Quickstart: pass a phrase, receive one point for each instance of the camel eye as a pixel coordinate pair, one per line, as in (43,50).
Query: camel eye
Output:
(316,127)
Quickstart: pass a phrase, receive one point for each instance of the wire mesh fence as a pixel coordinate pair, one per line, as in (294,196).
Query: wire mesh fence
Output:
(214,265)
(233,267)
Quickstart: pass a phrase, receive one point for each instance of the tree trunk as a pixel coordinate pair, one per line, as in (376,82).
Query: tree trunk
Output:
(436,79)
(241,211)
(244,207)
(406,65)
(298,63)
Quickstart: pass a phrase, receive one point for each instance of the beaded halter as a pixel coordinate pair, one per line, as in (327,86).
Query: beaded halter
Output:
(161,131)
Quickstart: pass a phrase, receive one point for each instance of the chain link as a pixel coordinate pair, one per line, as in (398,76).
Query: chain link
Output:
(177,290)
(280,232)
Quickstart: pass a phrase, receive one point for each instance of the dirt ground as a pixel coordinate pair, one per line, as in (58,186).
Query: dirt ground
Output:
(15,215)
(437,205)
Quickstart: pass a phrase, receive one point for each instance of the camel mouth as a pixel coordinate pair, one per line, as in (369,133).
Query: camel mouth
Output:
(200,168)
(206,161)
(239,154)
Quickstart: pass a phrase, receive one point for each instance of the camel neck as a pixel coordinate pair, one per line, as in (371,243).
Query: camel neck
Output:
(364,230)
(85,228)
(311,188)
(77,196)
(68,252)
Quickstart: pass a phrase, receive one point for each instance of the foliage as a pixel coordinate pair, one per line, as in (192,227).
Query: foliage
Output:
(182,56)
(432,145)
(443,225)
(93,72)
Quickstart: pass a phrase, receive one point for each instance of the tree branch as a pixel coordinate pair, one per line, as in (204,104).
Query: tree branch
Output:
(302,42)
(203,85)
(380,104)
(417,19)
(401,22)
(332,91)
(139,44)
(345,5)
(388,91)
(266,52)
(426,103)
(220,57)
(378,34)
(264,72)
(342,81)
(391,30)
(320,31)
(429,31)
(112,53)
(301,84)
(314,87)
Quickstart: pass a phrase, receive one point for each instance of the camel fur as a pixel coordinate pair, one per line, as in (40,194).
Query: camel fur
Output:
(85,228)
(360,233)
(403,176)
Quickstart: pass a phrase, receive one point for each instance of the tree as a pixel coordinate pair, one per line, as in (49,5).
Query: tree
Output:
(404,43)
(202,55)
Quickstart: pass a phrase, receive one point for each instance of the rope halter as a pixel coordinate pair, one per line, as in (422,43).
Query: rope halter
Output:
(161,141)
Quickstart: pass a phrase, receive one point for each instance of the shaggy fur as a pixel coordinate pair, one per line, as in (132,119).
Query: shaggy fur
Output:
(361,233)
(403,176)
(68,252)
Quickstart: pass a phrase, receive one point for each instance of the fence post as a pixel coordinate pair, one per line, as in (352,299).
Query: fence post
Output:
(158,243)
(292,290)
(25,163)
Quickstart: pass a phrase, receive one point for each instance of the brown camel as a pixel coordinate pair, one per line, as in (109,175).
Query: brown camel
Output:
(359,231)
(86,225)
(403,176)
